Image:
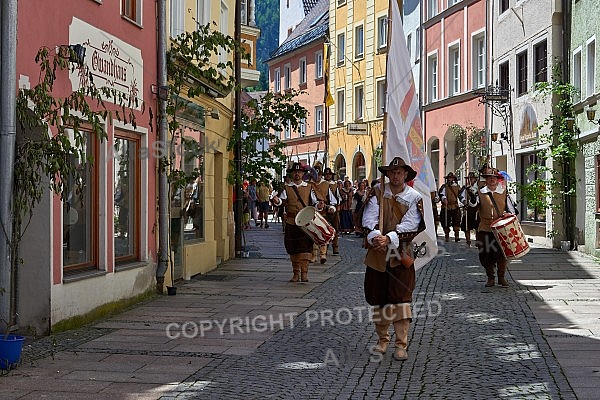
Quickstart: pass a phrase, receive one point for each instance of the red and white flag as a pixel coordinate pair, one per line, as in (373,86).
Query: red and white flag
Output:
(404,136)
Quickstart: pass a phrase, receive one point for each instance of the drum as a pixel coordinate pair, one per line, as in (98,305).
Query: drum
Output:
(510,236)
(315,225)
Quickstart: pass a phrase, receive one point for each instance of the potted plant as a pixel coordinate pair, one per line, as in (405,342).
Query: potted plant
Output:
(11,347)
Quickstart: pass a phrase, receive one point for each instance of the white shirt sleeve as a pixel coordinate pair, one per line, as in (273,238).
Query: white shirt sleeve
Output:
(371,214)
(332,199)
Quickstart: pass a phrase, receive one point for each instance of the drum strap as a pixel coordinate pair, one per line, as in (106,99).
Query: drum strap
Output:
(300,197)
(493,202)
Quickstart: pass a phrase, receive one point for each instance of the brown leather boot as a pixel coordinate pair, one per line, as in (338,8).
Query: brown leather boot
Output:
(304,271)
(456,236)
(447,238)
(313,256)
(489,270)
(323,253)
(501,272)
(382,324)
(335,244)
(383,336)
(296,269)
(401,330)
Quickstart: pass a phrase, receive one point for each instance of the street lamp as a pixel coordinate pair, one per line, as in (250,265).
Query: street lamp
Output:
(591,116)
(570,122)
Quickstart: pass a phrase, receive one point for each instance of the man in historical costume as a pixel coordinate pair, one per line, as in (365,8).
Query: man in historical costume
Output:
(393,216)
(323,192)
(468,198)
(450,211)
(263,193)
(494,202)
(296,195)
(435,199)
(252,199)
(333,219)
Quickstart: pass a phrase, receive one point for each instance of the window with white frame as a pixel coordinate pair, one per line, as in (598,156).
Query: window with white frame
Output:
(454,70)
(409,45)
(382,30)
(79,212)
(417,44)
(432,77)
(318,119)
(432,8)
(577,73)
(522,73)
(503,6)
(203,11)
(341,48)
(132,10)
(277,81)
(288,130)
(380,97)
(359,41)
(478,61)
(302,70)
(126,171)
(359,102)
(452,2)
(177,17)
(224,29)
(340,106)
(341,2)
(503,75)
(287,76)
(244,12)
(302,127)
(540,62)
(319,64)
(590,68)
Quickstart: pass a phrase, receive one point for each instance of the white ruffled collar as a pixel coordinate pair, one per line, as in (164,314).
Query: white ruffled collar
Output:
(293,184)
(499,189)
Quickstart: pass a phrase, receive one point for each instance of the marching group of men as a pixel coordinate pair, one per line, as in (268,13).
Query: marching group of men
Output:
(392,217)
(459,206)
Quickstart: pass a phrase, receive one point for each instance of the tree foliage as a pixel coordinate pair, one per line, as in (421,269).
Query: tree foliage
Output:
(264,120)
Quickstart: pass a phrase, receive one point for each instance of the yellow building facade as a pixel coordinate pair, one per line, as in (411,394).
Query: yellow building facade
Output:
(202,222)
(357,69)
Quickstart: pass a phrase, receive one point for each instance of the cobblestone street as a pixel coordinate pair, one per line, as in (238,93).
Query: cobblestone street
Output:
(465,342)
(242,331)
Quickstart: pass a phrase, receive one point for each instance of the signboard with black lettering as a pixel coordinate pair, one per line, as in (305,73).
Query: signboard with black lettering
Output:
(358,129)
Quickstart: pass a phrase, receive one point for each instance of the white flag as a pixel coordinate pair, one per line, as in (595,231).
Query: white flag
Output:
(404,136)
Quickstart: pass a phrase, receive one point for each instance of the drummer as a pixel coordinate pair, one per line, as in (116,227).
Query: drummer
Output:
(494,202)
(323,191)
(296,195)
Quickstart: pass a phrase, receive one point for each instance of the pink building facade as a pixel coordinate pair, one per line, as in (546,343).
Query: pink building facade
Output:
(453,67)
(101,248)
(299,64)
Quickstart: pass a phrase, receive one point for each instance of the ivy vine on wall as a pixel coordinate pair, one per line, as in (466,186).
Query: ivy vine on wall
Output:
(554,180)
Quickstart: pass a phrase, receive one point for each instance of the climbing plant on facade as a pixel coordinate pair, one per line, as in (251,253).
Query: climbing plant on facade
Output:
(470,141)
(554,181)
